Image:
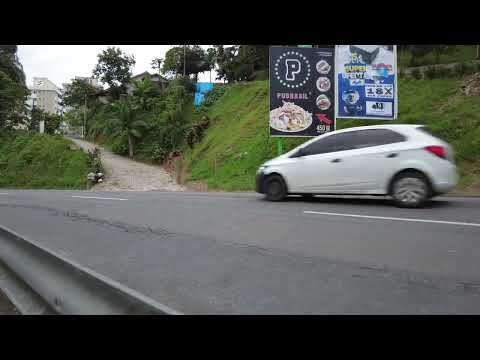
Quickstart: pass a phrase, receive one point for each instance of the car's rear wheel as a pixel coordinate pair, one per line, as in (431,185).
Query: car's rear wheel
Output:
(275,188)
(410,190)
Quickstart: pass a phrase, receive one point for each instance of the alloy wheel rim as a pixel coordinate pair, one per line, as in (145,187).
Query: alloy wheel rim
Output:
(410,190)
(274,188)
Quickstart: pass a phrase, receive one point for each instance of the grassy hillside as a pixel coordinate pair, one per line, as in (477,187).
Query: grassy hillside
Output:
(39,161)
(238,140)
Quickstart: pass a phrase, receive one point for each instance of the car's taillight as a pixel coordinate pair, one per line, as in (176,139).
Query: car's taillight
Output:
(440,151)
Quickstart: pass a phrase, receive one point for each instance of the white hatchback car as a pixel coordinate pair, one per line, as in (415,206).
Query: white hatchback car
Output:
(403,161)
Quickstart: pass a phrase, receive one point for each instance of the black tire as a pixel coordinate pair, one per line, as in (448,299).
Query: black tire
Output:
(410,190)
(275,188)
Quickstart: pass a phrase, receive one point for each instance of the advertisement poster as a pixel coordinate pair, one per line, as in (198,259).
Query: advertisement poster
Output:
(366,81)
(302,91)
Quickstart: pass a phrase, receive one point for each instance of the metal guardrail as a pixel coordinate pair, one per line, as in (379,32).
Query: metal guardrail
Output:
(70,288)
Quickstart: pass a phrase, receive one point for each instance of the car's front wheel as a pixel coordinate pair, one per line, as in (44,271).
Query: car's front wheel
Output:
(275,188)
(410,189)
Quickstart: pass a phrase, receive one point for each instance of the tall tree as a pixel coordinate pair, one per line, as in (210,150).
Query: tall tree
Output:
(127,121)
(211,58)
(195,61)
(115,69)
(13,90)
(144,91)
(77,92)
(157,64)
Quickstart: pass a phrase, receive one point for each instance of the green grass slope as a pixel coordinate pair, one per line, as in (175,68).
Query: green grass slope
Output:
(40,161)
(238,140)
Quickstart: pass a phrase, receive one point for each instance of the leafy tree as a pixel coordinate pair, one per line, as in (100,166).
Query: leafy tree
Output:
(144,92)
(129,121)
(13,90)
(76,93)
(195,61)
(211,58)
(114,68)
(241,63)
(157,64)
(52,123)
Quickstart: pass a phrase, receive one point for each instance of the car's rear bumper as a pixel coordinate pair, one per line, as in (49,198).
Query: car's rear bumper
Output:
(445,179)
(259,183)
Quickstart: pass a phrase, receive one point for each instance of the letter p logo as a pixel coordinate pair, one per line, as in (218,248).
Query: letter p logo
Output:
(293,67)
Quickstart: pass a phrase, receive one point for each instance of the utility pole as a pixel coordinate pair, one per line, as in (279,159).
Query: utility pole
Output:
(85,118)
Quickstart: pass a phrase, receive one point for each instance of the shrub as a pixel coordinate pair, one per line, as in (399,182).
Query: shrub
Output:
(416,74)
(430,73)
(443,72)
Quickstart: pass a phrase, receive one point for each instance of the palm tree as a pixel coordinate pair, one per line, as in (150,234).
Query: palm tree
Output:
(127,121)
(143,91)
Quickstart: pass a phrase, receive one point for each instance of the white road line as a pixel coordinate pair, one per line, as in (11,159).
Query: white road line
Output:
(99,198)
(394,218)
(3,193)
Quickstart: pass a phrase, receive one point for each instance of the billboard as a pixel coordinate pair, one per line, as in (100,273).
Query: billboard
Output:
(302,91)
(366,81)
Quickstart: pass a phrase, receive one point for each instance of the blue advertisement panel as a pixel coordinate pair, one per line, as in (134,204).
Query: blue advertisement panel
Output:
(366,81)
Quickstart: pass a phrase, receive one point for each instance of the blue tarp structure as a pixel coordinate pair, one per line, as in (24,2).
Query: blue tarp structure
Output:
(202,89)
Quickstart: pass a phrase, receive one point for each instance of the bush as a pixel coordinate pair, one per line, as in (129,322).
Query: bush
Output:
(213,95)
(430,73)
(94,162)
(416,74)
(443,72)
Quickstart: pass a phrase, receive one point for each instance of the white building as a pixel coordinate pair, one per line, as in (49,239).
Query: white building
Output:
(45,95)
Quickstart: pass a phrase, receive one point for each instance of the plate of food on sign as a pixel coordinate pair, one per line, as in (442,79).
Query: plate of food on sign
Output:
(323,67)
(290,118)
(323,84)
(323,102)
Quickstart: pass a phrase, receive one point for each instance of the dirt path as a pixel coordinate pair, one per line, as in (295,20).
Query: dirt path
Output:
(123,174)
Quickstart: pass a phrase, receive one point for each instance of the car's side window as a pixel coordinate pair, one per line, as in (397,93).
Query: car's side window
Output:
(332,143)
(376,137)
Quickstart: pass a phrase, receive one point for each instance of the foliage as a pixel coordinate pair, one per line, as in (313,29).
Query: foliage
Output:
(444,55)
(241,63)
(416,74)
(77,92)
(144,93)
(114,68)
(51,121)
(40,161)
(127,121)
(13,91)
(196,61)
(94,161)
(238,138)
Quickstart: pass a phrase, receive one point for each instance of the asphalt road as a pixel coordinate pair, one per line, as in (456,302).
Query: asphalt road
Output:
(234,253)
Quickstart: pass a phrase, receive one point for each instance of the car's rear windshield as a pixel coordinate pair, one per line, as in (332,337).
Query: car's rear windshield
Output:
(427,131)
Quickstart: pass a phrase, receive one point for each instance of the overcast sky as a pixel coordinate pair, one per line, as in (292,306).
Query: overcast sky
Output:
(61,63)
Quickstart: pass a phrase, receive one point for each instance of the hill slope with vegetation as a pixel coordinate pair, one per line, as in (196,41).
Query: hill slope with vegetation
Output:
(39,161)
(238,141)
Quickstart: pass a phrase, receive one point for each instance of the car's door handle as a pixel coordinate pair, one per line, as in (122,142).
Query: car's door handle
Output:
(392,155)
(336,160)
